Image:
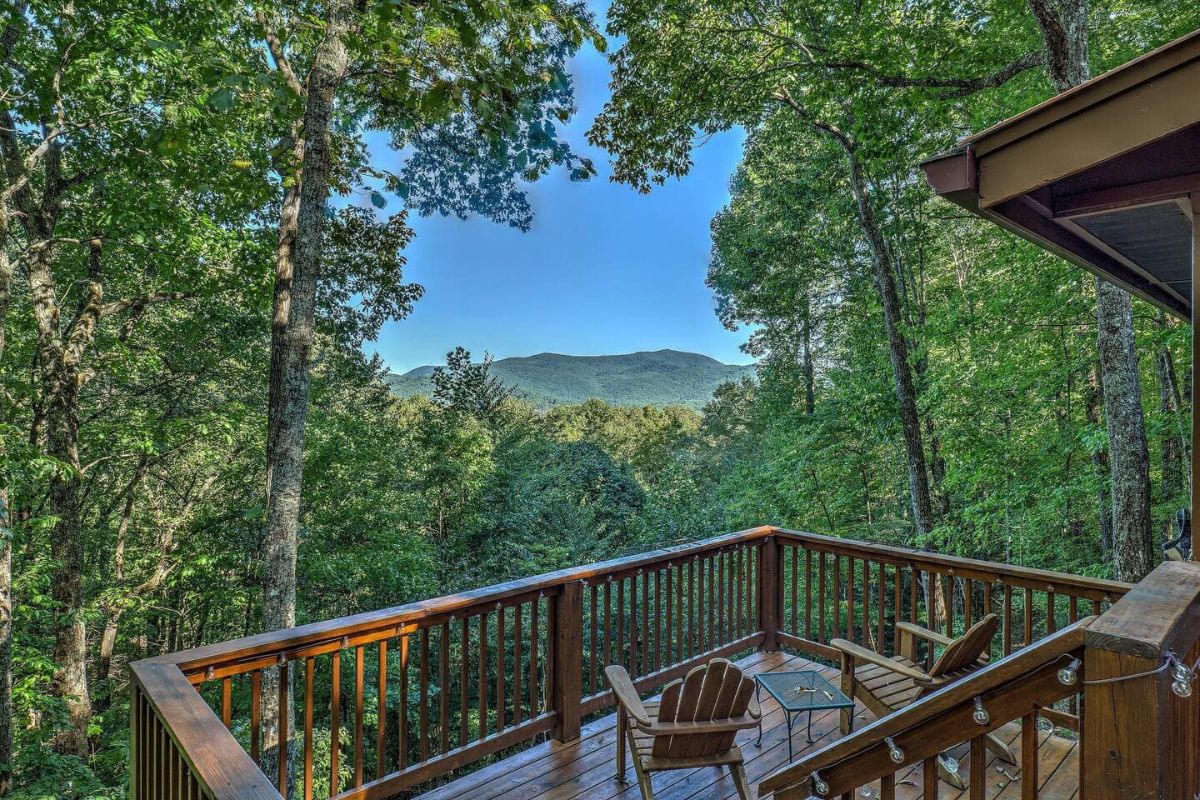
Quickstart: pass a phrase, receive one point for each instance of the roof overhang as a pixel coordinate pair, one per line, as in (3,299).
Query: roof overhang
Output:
(1106,175)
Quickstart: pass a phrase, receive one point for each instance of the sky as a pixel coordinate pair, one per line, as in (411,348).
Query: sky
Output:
(603,269)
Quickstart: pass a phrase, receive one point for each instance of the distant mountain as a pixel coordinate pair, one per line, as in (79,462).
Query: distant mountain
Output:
(659,378)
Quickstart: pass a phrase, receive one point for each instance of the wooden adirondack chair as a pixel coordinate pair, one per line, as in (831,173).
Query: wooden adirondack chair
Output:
(693,725)
(885,684)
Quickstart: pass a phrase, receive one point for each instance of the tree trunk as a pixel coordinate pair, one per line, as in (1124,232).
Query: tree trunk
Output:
(1064,29)
(298,258)
(906,396)
(810,393)
(1091,402)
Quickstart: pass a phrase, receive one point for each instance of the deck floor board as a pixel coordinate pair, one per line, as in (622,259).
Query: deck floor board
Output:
(584,769)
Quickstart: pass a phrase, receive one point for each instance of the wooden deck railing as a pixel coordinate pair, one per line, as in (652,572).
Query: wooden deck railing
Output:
(1134,667)
(1019,686)
(387,700)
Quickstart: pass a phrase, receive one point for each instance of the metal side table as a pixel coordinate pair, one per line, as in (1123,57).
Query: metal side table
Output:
(797,692)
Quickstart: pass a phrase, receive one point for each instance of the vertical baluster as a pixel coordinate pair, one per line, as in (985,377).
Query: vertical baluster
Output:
(619,638)
(929,779)
(987,597)
(358,716)
(381,721)
(593,642)
(821,596)
(402,714)
(1073,609)
(1051,612)
(464,681)
(227,702)
(1008,612)
(865,632)
(483,675)
(679,612)
(308,728)
(535,650)
(795,586)
(691,606)
(1028,616)
(443,687)
(668,659)
(709,602)
(1095,607)
(1029,757)
(281,753)
(335,722)
(850,599)
(608,627)
(518,660)
(727,594)
(880,604)
(423,689)
(255,714)
(500,669)
(946,582)
(645,622)
(978,781)
(887,787)
(701,605)
(808,600)
(914,583)
(658,618)
(968,603)
(837,595)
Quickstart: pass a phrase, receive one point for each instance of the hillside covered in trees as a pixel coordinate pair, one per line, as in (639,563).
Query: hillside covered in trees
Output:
(195,245)
(659,378)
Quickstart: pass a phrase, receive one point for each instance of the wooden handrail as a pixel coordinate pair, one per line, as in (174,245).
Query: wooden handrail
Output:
(1025,577)
(732,589)
(1009,688)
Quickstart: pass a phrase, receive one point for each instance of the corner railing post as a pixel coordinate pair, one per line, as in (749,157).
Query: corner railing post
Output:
(769,596)
(1138,735)
(566,630)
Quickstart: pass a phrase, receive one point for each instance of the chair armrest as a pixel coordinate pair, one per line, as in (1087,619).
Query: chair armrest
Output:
(708,726)
(924,633)
(871,657)
(626,694)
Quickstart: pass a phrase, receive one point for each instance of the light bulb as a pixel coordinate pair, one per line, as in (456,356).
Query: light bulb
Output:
(1045,725)
(950,763)
(981,716)
(1182,688)
(819,785)
(1069,674)
(894,752)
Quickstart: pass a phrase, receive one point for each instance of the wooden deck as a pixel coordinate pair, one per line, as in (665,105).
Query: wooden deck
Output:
(583,769)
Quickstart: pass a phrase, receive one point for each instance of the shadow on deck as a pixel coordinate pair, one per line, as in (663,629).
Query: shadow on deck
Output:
(584,769)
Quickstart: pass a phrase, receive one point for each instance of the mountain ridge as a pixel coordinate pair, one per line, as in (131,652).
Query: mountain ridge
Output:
(648,377)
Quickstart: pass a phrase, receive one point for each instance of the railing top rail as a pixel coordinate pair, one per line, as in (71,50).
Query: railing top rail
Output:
(933,706)
(249,647)
(1041,579)
(1159,614)
(216,759)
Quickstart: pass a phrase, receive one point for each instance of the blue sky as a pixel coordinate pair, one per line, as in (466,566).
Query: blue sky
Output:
(603,270)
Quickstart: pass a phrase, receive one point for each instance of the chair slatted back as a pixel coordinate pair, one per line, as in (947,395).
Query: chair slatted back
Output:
(715,691)
(965,651)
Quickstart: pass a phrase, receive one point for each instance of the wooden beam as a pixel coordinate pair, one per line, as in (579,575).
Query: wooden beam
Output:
(1127,195)
(1103,131)
(1195,198)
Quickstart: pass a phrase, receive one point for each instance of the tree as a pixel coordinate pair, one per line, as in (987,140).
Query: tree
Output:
(76,144)
(845,74)
(468,388)
(1064,25)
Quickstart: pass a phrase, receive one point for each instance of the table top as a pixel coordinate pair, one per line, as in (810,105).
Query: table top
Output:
(805,690)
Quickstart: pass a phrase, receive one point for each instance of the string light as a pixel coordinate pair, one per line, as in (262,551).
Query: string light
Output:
(981,715)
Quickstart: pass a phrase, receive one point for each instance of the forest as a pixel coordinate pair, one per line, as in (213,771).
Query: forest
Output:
(195,245)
